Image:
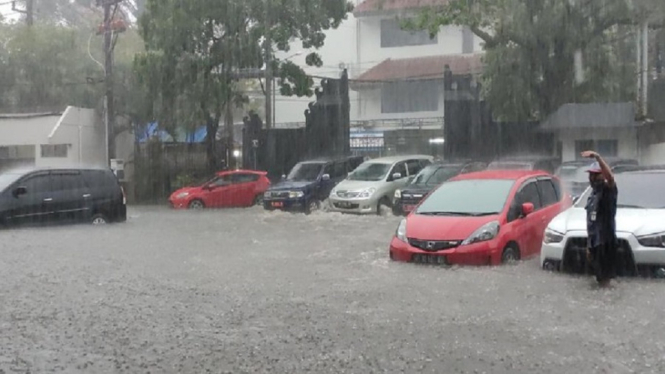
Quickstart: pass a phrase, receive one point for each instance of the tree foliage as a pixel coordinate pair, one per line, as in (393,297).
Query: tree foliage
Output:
(197,48)
(532,47)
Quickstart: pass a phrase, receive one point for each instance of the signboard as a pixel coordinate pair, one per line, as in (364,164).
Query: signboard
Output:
(366,140)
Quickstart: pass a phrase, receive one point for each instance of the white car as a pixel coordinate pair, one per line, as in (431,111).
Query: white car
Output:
(372,185)
(640,228)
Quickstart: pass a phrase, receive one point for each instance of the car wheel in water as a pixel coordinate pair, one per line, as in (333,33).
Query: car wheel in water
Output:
(99,219)
(383,207)
(510,255)
(196,205)
(312,206)
(258,200)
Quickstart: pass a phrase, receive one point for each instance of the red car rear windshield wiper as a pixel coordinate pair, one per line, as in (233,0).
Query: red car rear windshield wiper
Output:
(445,213)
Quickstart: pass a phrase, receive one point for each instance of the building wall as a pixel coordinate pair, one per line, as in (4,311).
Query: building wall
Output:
(78,128)
(75,128)
(654,155)
(627,141)
(356,44)
(369,102)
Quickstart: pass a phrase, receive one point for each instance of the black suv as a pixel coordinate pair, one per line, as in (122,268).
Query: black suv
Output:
(429,178)
(309,183)
(53,195)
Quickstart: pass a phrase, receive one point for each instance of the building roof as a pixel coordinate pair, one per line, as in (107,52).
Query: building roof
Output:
(370,7)
(422,68)
(593,115)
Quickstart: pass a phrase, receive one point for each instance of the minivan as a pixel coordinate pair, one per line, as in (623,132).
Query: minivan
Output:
(308,184)
(58,195)
(372,185)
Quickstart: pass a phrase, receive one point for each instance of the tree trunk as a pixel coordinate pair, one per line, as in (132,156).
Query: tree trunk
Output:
(230,144)
(211,144)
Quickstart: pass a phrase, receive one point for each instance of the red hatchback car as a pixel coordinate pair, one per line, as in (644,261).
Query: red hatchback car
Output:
(234,188)
(483,218)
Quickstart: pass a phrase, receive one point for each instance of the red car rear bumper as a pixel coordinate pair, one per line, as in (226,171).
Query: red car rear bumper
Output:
(485,253)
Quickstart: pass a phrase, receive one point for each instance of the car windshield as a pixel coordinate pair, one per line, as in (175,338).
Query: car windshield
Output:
(305,172)
(468,197)
(434,175)
(636,190)
(8,179)
(370,172)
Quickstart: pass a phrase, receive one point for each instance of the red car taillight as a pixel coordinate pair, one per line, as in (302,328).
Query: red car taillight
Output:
(124,196)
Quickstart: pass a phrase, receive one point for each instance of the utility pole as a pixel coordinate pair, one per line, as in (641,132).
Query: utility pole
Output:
(108,31)
(268,61)
(29,11)
(645,68)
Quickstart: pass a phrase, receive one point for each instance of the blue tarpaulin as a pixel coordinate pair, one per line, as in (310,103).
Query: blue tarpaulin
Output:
(152,131)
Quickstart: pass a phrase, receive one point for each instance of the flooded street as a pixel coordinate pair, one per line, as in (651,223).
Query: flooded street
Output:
(246,291)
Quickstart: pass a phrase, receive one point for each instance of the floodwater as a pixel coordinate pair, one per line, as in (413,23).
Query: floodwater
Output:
(248,291)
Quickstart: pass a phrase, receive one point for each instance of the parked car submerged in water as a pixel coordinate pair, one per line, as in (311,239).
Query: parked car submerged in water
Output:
(61,195)
(405,200)
(233,188)
(372,185)
(483,218)
(308,184)
(640,228)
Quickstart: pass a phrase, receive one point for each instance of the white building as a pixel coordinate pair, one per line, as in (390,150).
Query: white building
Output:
(51,139)
(396,75)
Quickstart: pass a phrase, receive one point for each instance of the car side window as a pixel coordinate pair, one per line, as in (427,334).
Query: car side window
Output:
(557,189)
(340,169)
(245,178)
(547,192)
(37,184)
(224,180)
(400,167)
(414,166)
(329,169)
(66,181)
(528,193)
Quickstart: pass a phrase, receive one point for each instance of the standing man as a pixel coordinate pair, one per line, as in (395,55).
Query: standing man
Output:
(601,209)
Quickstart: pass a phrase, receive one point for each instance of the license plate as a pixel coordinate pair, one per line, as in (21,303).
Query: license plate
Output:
(277,204)
(408,208)
(430,259)
(345,204)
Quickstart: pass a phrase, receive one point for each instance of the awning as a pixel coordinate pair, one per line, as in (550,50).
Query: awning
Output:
(591,116)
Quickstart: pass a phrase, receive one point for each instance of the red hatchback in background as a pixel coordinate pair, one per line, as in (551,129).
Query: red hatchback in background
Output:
(483,218)
(235,188)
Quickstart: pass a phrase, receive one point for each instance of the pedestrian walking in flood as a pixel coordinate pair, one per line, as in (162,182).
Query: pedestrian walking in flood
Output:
(601,210)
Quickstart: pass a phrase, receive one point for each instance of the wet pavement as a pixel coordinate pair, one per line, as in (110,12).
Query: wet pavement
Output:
(247,291)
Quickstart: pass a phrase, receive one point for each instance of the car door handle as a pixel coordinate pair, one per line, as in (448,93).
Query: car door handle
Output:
(86,196)
(48,200)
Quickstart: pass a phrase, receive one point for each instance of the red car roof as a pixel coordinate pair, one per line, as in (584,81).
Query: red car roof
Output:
(500,174)
(226,172)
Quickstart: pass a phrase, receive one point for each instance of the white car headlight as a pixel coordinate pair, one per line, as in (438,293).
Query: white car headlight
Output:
(333,192)
(266,195)
(401,231)
(368,192)
(398,194)
(182,195)
(296,194)
(486,232)
(653,240)
(552,236)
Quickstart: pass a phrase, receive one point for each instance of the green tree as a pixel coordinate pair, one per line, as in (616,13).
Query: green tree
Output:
(196,49)
(541,54)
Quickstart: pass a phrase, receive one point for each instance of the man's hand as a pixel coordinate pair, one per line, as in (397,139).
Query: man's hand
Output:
(589,154)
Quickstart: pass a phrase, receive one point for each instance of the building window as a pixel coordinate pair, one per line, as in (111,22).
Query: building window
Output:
(467,40)
(411,96)
(608,148)
(54,150)
(392,35)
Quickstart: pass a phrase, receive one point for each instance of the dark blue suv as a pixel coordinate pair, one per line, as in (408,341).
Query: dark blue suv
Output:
(309,183)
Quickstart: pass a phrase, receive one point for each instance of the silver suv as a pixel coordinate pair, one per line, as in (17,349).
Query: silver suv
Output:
(372,185)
